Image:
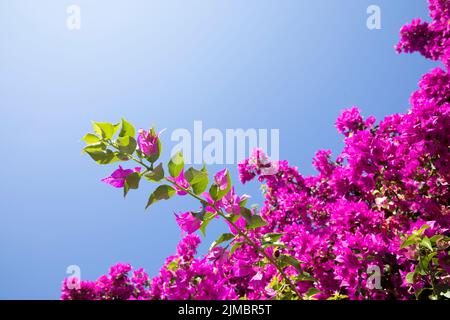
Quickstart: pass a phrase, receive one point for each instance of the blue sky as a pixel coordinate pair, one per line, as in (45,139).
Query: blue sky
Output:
(291,65)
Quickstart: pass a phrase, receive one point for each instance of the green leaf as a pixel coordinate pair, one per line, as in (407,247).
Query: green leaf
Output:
(272,237)
(154,157)
(163,192)
(246,213)
(122,156)
(420,270)
(132,180)
(223,237)
(423,266)
(126,144)
(424,263)
(436,238)
(305,276)
(127,129)
(273,244)
(100,154)
(232,217)
(91,138)
(271,240)
(446,294)
(156,175)
(311,293)
(173,266)
(199,214)
(109,157)
(235,246)
(421,230)
(207,218)
(96,155)
(243,203)
(426,243)
(126,188)
(410,277)
(200,187)
(198,179)
(176,164)
(105,129)
(116,127)
(338,296)
(99,146)
(256,221)
(431,256)
(253,221)
(412,239)
(213,192)
(290,260)
(194,176)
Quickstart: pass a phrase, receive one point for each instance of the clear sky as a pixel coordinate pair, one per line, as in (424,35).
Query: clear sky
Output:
(290,65)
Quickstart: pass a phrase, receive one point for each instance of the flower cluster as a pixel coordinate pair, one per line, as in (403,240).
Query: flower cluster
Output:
(374,223)
(432,40)
(117,285)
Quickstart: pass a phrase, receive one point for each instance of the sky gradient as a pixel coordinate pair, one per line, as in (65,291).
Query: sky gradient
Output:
(290,65)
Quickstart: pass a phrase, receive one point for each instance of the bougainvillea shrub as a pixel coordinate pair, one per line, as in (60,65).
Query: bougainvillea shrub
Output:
(372,224)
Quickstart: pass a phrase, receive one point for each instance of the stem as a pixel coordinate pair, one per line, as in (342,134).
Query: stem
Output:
(433,280)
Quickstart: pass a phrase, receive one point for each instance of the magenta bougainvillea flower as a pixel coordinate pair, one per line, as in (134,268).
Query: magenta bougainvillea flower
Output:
(240,223)
(431,39)
(231,202)
(180,181)
(221,179)
(117,178)
(188,222)
(351,121)
(148,142)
